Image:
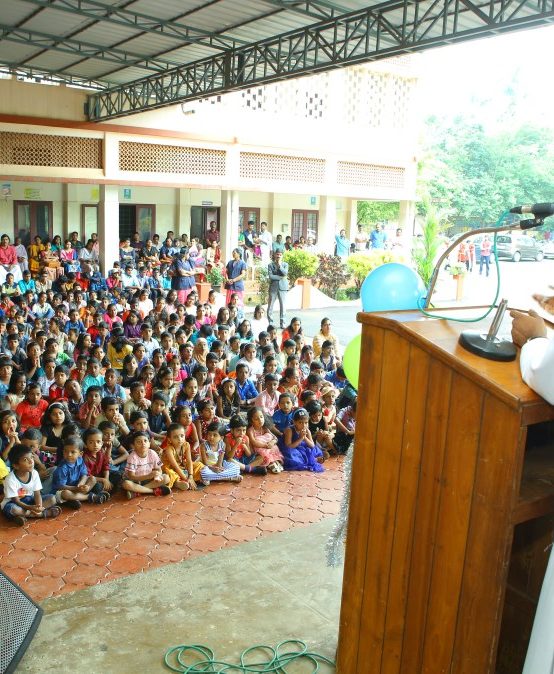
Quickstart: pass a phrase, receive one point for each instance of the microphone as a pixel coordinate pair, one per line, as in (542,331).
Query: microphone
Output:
(542,210)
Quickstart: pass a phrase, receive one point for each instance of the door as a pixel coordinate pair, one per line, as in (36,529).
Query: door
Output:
(247,214)
(33,218)
(200,218)
(304,223)
(139,218)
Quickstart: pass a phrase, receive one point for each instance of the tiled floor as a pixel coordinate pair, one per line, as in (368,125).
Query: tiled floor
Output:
(101,543)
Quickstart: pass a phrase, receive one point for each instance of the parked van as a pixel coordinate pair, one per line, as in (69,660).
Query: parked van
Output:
(518,247)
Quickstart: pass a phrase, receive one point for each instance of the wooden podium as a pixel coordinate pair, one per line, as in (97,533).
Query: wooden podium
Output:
(452,505)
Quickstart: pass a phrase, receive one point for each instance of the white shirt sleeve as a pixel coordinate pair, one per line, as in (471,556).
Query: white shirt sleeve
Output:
(537,366)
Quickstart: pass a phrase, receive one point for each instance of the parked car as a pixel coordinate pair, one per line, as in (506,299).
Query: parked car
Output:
(518,247)
(548,249)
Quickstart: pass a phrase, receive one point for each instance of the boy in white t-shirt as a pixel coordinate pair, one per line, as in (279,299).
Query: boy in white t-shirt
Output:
(22,495)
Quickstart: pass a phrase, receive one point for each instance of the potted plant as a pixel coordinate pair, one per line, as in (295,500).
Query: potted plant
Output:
(457,270)
(215,278)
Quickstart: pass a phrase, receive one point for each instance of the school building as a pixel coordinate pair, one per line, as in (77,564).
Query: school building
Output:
(297,154)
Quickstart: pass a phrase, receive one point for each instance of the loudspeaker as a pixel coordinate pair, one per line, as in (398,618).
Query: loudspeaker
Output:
(19,619)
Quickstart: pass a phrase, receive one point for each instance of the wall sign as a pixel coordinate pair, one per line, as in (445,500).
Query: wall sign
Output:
(126,192)
(207,203)
(313,201)
(31,193)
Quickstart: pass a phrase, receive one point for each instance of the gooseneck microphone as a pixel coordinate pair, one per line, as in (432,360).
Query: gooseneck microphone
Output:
(541,210)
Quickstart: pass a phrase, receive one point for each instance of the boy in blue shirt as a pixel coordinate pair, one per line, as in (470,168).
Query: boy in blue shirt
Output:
(282,417)
(74,322)
(71,482)
(245,387)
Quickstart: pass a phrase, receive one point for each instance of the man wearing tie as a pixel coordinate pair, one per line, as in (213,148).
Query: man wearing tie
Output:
(278,286)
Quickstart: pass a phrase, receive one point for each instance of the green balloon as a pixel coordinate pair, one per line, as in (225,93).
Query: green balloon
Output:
(351,360)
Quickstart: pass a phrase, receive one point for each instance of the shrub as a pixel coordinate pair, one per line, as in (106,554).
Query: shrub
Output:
(263,285)
(426,247)
(331,274)
(301,264)
(215,277)
(360,264)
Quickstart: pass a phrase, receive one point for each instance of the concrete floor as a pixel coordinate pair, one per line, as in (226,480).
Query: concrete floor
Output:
(259,592)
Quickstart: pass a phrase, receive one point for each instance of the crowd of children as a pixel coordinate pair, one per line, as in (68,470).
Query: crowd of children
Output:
(104,387)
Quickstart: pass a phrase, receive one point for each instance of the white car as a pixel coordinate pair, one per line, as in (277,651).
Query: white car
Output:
(548,249)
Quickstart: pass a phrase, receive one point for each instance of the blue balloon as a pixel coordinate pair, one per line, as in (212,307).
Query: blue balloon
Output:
(392,287)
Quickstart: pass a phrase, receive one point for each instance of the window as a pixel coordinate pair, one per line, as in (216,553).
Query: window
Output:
(33,218)
(304,223)
(246,214)
(139,218)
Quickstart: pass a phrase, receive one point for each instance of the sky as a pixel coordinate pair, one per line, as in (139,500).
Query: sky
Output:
(455,78)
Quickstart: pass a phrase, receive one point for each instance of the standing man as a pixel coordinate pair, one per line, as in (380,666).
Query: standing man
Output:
(265,241)
(212,234)
(378,237)
(249,243)
(361,239)
(342,244)
(277,272)
(486,246)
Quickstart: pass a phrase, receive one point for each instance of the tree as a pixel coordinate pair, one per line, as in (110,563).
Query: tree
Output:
(426,248)
(370,212)
(302,264)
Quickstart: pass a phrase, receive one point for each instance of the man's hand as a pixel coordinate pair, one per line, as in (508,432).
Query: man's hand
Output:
(526,326)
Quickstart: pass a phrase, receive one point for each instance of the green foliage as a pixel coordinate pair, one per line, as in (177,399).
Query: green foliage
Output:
(263,285)
(477,176)
(331,274)
(360,264)
(457,269)
(215,277)
(301,264)
(370,212)
(426,247)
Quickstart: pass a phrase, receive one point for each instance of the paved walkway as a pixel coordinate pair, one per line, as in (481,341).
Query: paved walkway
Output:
(101,543)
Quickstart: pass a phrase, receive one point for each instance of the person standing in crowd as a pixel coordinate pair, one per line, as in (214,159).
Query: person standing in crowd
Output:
(22,257)
(277,272)
(378,238)
(342,244)
(212,234)
(265,241)
(235,271)
(486,248)
(8,260)
(249,237)
(183,271)
(361,239)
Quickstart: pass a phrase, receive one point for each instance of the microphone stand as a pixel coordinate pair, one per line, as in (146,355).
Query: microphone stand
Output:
(521,225)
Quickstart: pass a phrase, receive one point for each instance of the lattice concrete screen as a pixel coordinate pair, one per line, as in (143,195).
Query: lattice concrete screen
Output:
(170,159)
(257,165)
(370,175)
(33,149)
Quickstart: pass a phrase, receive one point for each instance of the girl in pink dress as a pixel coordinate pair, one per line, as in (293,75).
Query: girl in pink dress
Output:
(262,440)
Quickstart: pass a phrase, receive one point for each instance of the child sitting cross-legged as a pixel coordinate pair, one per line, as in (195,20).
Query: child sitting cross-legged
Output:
(237,448)
(22,490)
(97,462)
(112,448)
(143,473)
(212,454)
(71,482)
(262,440)
(177,462)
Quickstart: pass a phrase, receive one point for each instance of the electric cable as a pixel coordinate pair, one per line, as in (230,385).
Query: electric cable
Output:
(276,659)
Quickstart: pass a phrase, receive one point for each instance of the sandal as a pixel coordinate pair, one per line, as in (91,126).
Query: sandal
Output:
(52,511)
(182,485)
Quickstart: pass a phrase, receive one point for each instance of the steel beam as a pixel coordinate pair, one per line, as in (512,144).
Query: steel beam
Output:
(376,32)
(74,47)
(142,23)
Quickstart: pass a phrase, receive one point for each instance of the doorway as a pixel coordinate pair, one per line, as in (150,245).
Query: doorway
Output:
(32,218)
(139,218)
(200,218)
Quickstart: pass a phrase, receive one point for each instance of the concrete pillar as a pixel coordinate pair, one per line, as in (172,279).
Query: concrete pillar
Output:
(352,222)
(229,222)
(71,219)
(182,216)
(327,225)
(108,226)
(406,219)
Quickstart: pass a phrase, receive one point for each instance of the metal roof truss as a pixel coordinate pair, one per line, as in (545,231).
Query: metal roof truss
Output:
(376,32)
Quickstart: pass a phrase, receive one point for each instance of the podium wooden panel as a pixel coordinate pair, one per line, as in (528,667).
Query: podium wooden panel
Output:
(451,506)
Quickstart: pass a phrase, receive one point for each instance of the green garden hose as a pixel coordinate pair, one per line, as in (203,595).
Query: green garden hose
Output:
(275,659)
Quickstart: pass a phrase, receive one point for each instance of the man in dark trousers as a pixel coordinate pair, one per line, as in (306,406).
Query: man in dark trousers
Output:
(278,286)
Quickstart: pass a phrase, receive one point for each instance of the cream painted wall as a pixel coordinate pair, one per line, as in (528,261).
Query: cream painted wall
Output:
(26,98)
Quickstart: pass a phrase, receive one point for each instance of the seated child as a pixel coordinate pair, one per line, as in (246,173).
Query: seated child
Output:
(22,490)
(158,415)
(268,399)
(237,448)
(32,439)
(112,448)
(110,412)
(297,445)
(32,409)
(91,410)
(262,440)
(143,473)
(137,401)
(97,462)
(282,417)
(71,482)
(245,387)
(177,462)
(319,429)
(212,455)
(346,427)
(93,376)
(73,396)
(57,390)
